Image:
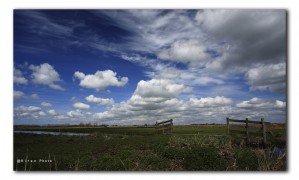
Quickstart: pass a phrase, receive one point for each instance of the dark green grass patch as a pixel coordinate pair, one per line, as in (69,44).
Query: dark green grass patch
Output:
(205,158)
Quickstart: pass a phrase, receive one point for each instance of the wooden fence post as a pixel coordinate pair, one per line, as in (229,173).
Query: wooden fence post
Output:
(227,124)
(247,121)
(264,131)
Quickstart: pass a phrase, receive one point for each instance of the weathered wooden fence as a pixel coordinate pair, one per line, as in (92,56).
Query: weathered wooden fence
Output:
(164,126)
(247,122)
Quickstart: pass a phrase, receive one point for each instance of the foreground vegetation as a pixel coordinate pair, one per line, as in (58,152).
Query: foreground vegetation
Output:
(141,149)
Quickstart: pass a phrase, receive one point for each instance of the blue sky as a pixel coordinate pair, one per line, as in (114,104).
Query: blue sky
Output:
(140,66)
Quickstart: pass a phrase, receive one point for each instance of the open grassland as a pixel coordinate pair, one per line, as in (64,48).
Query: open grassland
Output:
(188,148)
(128,130)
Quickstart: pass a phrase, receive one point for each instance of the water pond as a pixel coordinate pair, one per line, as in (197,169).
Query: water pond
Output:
(53,133)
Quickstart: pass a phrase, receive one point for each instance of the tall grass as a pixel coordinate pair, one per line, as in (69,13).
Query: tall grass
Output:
(219,153)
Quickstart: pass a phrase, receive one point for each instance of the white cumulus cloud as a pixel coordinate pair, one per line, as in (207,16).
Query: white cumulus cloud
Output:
(18,77)
(99,101)
(79,105)
(209,102)
(160,88)
(260,103)
(57,87)
(52,112)
(191,51)
(280,104)
(28,109)
(34,96)
(75,114)
(45,74)
(100,80)
(42,113)
(18,94)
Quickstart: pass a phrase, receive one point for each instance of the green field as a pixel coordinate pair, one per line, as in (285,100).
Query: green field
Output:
(188,148)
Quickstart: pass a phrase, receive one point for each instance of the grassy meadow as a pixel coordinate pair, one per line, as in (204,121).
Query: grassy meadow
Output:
(188,148)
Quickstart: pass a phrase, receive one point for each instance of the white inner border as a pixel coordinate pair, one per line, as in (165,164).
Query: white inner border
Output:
(6,81)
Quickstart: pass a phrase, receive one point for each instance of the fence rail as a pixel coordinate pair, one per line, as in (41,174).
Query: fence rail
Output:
(164,126)
(247,122)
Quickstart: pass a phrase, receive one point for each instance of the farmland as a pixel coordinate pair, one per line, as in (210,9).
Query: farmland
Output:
(140,148)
